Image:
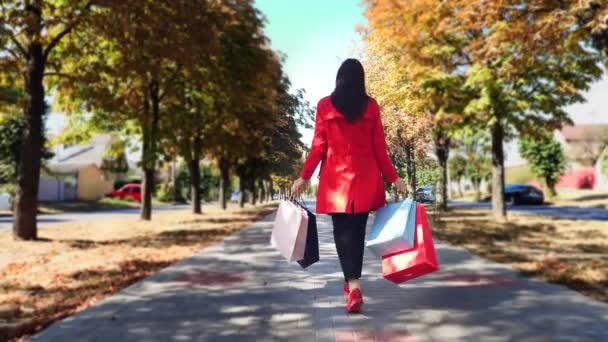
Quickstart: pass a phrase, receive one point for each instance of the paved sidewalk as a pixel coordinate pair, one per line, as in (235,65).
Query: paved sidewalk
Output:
(242,290)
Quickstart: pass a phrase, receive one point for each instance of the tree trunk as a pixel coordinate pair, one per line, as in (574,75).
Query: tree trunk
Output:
(411,168)
(150,138)
(242,181)
(551,187)
(195,186)
(167,180)
(175,194)
(195,175)
(252,190)
(442,150)
(261,191)
(460,188)
(498,173)
(270,190)
(28,178)
(477,188)
(224,166)
(147,188)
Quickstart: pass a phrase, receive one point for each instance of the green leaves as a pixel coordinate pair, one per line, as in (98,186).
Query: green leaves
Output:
(11,132)
(545,156)
(188,78)
(592,16)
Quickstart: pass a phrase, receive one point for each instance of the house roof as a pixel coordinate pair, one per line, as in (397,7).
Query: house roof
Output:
(596,132)
(75,157)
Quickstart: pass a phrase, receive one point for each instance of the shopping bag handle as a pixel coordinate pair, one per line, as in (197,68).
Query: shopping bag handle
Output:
(290,196)
(395,199)
(300,201)
(295,198)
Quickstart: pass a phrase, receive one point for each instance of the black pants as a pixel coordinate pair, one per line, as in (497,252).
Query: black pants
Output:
(349,235)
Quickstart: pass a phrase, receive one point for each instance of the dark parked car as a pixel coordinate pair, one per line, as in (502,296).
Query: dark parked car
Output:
(523,194)
(425,194)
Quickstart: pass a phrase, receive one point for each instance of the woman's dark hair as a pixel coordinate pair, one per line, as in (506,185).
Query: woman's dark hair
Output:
(350,97)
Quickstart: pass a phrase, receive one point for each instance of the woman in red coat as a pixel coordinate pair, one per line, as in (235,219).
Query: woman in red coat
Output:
(350,145)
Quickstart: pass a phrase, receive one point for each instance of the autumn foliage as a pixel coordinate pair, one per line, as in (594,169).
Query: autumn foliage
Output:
(189,79)
(487,66)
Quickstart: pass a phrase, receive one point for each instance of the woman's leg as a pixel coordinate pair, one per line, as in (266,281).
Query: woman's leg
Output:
(349,235)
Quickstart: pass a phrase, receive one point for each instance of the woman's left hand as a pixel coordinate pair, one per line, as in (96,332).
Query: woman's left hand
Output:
(400,186)
(299,185)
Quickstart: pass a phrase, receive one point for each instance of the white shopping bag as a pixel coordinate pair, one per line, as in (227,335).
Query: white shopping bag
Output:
(290,230)
(393,229)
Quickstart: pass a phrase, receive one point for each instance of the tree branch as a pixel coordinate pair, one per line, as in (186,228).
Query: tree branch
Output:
(169,81)
(11,34)
(58,74)
(11,52)
(65,31)
(17,43)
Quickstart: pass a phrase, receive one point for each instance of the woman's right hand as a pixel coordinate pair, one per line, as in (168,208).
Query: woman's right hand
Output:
(299,186)
(400,186)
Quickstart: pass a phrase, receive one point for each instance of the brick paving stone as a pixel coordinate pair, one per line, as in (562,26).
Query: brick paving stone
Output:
(240,289)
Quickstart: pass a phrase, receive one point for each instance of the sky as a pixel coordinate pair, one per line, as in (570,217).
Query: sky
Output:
(317,35)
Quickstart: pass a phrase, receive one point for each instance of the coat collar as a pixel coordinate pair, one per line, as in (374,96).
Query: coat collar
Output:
(332,113)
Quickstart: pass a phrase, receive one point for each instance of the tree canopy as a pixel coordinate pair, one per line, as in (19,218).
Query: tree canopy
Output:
(190,79)
(508,69)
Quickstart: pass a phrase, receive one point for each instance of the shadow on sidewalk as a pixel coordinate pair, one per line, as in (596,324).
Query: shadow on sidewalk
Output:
(241,290)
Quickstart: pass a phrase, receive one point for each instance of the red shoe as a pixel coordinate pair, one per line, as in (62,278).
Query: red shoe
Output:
(355,301)
(346,290)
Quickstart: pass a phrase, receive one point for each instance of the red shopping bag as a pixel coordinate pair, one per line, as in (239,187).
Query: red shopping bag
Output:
(413,263)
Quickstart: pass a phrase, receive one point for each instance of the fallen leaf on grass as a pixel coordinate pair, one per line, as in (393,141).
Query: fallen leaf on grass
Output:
(557,250)
(79,272)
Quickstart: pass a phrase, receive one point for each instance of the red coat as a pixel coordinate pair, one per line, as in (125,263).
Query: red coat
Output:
(353,156)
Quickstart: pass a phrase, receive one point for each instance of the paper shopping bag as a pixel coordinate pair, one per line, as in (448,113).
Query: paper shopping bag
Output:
(393,229)
(416,262)
(311,252)
(289,230)
(300,246)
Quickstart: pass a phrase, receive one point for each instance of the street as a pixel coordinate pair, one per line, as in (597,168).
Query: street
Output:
(566,212)
(48,219)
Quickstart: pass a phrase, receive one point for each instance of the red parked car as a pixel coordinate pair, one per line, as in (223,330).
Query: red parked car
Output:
(128,191)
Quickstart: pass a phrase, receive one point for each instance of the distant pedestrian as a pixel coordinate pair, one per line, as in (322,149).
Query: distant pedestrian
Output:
(349,143)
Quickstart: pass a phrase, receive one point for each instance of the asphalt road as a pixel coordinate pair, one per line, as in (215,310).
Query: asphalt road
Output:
(567,212)
(6,222)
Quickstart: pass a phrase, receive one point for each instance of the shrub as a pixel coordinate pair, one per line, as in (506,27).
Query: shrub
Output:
(545,157)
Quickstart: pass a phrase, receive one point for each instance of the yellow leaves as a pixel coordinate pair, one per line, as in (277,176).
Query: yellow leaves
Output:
(410,33)
(599,22)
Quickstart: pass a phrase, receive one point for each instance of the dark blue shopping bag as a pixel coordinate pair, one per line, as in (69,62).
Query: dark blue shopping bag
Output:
(311,252)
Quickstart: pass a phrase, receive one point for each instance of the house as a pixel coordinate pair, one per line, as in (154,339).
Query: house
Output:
(601,170)
(79,172)
(583,144)
(585,147)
